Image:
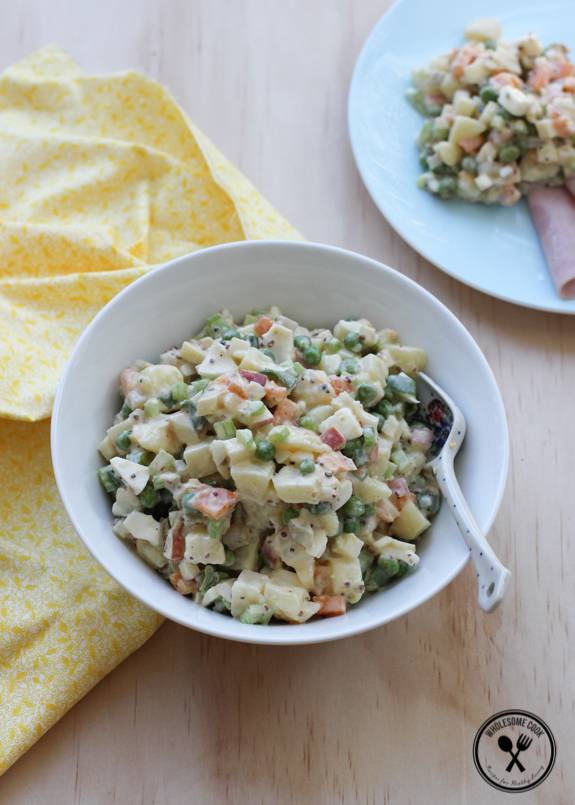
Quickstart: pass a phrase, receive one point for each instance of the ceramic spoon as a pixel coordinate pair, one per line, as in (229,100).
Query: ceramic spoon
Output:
(447,423)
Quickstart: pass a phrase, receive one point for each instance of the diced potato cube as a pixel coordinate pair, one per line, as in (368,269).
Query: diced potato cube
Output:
(135,476)
(515,101)
(156,380)
(156,435)
(345,422)
(491,109)
(449,86)
(347,545)
(246,556)
(295,555)
(181,426)
(482,29)
(199,459)
(361,326)
(143,526)
(464,103)
(151,554)
(545,129)
(344,400)
(402,551)
(293,487)
(126,502)
(483,182)
(475,73)
(189,570)
(463,128)
(201,549)
(192,353)
(280,340)
(449,153)
(217,362)
(371,490)
(248,589)
(410,523)
(238,349)
(306,532)
(320,413)
(254,360)
(345,578)
(108,449)
(409,359)
(313,388)
(288,599)
(253,479)
(329,363)
(375,367)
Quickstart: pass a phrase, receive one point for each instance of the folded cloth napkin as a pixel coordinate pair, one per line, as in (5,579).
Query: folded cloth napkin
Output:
(102,177)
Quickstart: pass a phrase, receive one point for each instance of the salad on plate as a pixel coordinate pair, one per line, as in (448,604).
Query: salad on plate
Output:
(271,471)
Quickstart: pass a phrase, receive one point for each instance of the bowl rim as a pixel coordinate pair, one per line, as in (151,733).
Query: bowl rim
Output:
(295,635)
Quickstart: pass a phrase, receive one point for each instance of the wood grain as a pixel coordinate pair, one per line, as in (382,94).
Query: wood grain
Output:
(387,717)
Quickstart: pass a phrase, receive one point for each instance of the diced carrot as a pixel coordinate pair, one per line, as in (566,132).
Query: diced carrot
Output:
(510,195)
(262,325)
(403,500)
(330,605)
(539,76)
(335,462)
(472,144)
(215,502)
(274,392)
(285,411)
(561,68)
(129,380)
(569,85)
(505,80)
(564,126)
(333,438)
(182,585)
(462,57)
(239,386)
(341,384)
(256,377)
(321,576)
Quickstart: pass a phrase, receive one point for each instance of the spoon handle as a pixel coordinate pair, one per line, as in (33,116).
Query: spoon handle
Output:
(492,577)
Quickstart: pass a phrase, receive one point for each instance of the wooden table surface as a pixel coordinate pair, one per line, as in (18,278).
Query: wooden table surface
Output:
(385,717)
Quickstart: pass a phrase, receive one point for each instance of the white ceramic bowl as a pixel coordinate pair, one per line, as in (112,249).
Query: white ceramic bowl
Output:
(317,285)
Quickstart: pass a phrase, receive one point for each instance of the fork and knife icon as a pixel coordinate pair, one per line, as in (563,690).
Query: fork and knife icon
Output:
(522,745)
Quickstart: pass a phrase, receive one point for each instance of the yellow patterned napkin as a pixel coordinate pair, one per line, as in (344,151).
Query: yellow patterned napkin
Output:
(102,177)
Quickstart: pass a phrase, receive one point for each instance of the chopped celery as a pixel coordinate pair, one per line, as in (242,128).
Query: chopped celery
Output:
(425,135)
(179,392)
(399,457)
(369,438)
(245,437)
(148,496)
(230,557)
(109,479)
(256,407)
(284,377)
(140,457)
(249,319)
(389,470)
(211,578)
(152,407)
(217,325)
(225,429)
(360,457)
(167,400)
(309,423)
(257,613)
(290,514)
(278,434)
(198,385)
(298,368)
(403,386)
(162,462)
(365,561)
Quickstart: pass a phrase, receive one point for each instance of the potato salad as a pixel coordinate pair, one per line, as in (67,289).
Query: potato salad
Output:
(500,117)
(271,471)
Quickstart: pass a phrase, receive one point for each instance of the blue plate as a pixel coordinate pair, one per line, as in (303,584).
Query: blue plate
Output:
(494,249)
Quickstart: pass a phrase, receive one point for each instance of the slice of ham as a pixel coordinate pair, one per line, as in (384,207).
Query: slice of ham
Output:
(553,211)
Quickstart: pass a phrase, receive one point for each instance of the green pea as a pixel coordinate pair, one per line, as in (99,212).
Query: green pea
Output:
(123,441)
(268,352)
(179,392)
(488,93)
(217,527)
(352,341)
(354,507)
(399,410)
(309,423)
(318,508)
(365,561)
(423,162)
(306,466)
(312,355)
(469,165)
(380,421)
(366,392)
(403,568)
(387,395)
(290,514)
(351,525)
(388,565)
(384,407)
(509,153)
(148,496)
(378,577)
(349,366)
(447,186)
(126,411)
(187,503)
(351,446)
(302,342)
(370,509)
(230,557)
(265,450)
(333,345)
